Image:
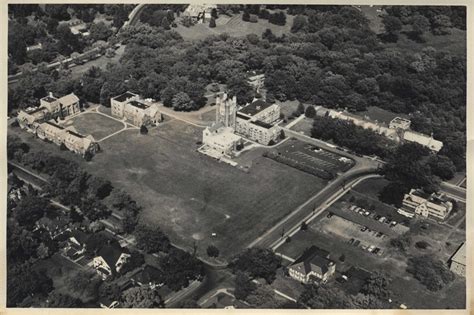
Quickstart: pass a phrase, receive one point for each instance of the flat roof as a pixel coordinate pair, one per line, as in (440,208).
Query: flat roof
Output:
(49,99)
(262,124)
(138,104)
(400,119)
(123,97)
(254,108)
(242,116)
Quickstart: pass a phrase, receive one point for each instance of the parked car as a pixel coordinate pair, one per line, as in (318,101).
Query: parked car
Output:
(351,241)
(379,234)
(330,214)
(367,213)
(364,229)
(356,243)
(382,219)
(376,250)
(393,223)
(377,217)
(352,208)
(371,248)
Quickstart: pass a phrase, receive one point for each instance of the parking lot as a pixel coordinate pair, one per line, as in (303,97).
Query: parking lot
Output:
(314,157)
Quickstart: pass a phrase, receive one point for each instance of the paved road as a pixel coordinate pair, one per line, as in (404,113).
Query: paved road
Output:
(455,192)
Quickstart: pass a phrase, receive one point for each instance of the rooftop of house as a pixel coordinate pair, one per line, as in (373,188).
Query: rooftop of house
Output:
(254,108)
(33,110)
(399,120)
(439,199)
(111,253)
(149,274)
(125,96)
(460,255)
(313,259)
(75,134)
(138,104)
(262,124)
(242,116)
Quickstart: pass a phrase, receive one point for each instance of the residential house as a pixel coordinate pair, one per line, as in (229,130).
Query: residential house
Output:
(110,259)
(75,245)
(427,205)
(458,261)
(201,13)
(129,106)
(148,275)
(313,265)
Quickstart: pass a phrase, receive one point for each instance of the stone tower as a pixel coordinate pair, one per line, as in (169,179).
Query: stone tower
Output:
(226,110)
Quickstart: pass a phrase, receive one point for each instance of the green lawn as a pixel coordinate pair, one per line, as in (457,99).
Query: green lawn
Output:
(94,124)
(191,195)
(234,26)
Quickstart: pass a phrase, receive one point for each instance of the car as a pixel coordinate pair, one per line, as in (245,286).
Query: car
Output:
(382,219)
(364,229)
(371,248)
(376,250)
(356,243)
(379,234)
(352,208)
(377,217)
(393,223)
(363,247)
(329,215)
(367,213)
(351,241)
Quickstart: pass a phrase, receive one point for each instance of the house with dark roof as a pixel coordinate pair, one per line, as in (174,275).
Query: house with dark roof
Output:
(75,244)
(148,275)
(54,227)
(313,265)
(110,259)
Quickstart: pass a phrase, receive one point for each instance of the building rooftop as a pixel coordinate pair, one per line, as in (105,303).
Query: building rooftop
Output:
(111,253)
(54,125)
(138,104)
(242,116)
(460,255)
(125,96)
(33,110)
(313,259)
(262,124)
(75,134)
(398,120)
(69,99)
(49,99)
(255,107)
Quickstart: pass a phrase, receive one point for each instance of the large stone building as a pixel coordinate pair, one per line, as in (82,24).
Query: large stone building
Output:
(72,140)
(458,261)
(129,106)
(427,205)
(313,265)
(397,130)
(255,121)
(50,107)
(220,139)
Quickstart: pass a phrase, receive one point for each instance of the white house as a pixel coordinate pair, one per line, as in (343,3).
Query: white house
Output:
(110,259)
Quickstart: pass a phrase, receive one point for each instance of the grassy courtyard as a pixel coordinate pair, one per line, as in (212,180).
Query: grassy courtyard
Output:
(190,196)
(234,26)
(97,125)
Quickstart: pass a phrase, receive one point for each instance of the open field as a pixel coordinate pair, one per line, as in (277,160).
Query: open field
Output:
(191,196)
(234,26)
(94,124)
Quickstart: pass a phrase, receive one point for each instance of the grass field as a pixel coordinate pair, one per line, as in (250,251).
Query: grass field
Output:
(191,196)
(94,124)
(234,26)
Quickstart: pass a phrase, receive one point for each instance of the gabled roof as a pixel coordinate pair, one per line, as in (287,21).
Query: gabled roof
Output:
(111,253)
(460,255)
(313,259)
(149,274)
(80,236)
(69,99)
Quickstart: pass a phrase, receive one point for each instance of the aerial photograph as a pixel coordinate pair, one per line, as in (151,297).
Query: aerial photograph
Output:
(236,156)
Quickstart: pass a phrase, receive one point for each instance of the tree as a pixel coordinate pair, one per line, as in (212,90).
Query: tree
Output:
(329,297)
(182,102)
(143,130)
(310,112)
(165,23)
(441,24)
(430,272)
(109,290)
(377,285)
(59,300)
(420,25)
(304,226)
(282,134)
(141,297)
(188,303)
(393,193)
(83,285)
(212,22)
(30,209)
(212,251)
(100,31)
(258,263)
(246,16)
(300,109)
(179,268)
(214,13)
(243,285)
(402,242)
(393,26)
(299,23)
(23,281)
(151,240)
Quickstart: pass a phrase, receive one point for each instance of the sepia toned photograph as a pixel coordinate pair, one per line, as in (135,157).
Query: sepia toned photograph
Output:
(236,156)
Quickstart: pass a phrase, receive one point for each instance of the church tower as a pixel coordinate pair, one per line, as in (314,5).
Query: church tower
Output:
(226,110)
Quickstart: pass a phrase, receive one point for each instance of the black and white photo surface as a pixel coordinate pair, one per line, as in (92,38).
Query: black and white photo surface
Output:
(236,156)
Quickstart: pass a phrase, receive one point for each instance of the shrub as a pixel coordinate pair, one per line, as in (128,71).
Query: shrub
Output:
(430,272)
(422,244)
